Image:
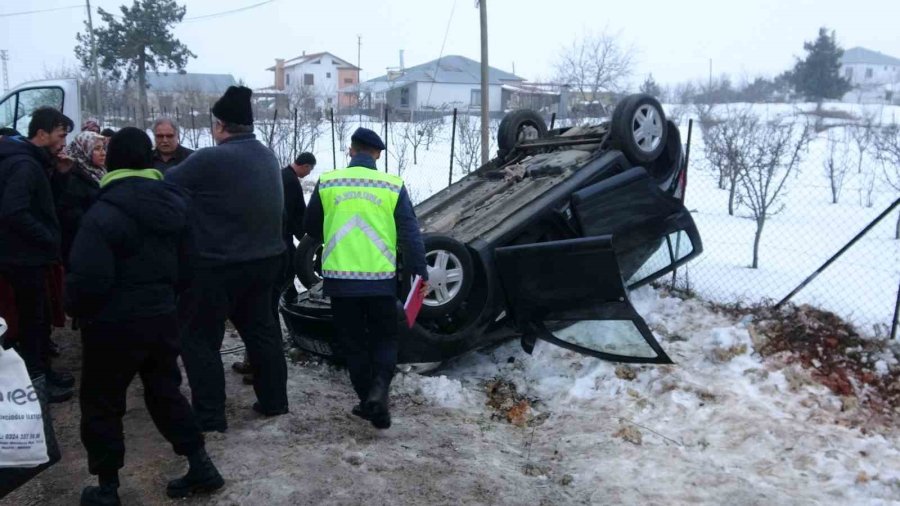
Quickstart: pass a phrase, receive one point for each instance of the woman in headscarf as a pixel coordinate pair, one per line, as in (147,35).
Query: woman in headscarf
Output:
(76,190)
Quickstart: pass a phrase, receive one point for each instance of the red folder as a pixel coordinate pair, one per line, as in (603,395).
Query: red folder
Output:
(414,300)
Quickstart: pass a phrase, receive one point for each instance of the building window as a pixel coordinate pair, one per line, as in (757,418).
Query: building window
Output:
(869,73)
(328,75)
(475,100)
(308,80)
(404,97)
(287,79)
(348,80)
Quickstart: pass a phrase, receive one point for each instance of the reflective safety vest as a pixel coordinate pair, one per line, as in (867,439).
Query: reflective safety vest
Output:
(360,240)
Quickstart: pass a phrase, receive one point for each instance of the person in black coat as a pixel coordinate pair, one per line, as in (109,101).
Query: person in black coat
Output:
(130,259)
(75,190)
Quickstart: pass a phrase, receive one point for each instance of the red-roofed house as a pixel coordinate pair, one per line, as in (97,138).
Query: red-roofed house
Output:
(321,75)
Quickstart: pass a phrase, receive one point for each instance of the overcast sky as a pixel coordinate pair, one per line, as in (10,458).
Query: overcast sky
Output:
(673,40)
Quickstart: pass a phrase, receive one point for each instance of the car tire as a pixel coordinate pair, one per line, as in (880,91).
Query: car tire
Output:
(450,271)
(308,261)
(519,125)
(639,128)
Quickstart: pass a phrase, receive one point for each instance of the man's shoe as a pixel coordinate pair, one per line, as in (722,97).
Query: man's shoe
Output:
(259,409)
(202,477)
(57,394)
(104,495)
(247,379)
(377,404)
(214,426)
(60,379)
(242,367)
(360,411)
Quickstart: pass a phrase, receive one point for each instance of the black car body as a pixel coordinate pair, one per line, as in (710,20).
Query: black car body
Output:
(543,242)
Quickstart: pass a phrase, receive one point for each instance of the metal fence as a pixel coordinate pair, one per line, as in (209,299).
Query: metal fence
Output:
(839,186)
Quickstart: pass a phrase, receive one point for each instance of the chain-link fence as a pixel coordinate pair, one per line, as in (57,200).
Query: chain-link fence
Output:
(776,189)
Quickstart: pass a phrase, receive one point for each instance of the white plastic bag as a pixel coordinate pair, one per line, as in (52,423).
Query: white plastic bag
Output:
(22,442)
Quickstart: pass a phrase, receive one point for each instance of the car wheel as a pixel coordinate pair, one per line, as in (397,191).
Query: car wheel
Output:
(518,126)
(450,275)
(639,128)
(308,261)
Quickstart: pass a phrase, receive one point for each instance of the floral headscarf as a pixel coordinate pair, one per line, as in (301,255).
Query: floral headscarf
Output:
(81,150)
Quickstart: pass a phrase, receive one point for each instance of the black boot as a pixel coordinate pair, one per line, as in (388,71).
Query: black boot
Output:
(360,411)
(377,404)
(107,494)
(60,379)
(202,477)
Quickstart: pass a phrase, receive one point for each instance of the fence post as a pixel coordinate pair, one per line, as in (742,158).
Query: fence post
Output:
(385,139)
(452,147)
(211,126)
(552,121)
(272,132)
(333,150)
(294,143)
(896,321)
(194,136)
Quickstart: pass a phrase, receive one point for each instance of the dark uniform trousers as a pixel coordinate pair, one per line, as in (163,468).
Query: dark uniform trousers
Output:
(29,286)
(113,354)
(242,293)
(367,333)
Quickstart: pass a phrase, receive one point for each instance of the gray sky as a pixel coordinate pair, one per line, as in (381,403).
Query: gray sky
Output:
(673,40)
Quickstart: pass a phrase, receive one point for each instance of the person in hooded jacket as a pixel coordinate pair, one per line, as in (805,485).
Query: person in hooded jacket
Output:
(130,259)
(75,190)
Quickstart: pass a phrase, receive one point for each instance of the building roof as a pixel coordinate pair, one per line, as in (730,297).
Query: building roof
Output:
(867,56)
(450,69)
(306,58)
(210,84)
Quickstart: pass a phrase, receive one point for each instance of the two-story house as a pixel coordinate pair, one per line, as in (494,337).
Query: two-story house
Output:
(317,79)
(875,76)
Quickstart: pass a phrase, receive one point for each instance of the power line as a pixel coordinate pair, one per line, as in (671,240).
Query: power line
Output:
(225,13)
(11,14)
(441,54)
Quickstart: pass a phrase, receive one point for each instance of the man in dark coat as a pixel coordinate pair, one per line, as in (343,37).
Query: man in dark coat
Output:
(238,207)
(362,215)
(30,237)
(130,257)
(168,152)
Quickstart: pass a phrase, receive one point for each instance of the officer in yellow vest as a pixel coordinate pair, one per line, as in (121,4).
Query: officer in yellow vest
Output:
(361,215)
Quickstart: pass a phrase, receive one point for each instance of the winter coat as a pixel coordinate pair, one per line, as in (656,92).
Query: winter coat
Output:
(73,193)
(238,201)
(29,230)
(181,153)
(409,240)
(294,207)
(132,253)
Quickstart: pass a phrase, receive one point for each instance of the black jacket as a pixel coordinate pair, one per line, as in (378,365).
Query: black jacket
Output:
(294,207)
(73,194)
(237,201)
(181,153)
(408,236)
(29,230)
(132,252)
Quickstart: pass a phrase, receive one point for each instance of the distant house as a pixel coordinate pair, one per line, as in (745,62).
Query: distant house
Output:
(167,91)
(317,79)
(451,81)
(874,75)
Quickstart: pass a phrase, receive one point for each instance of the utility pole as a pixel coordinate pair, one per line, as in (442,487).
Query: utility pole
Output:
(96,71)
(358,80)
(4,56)
(485,106)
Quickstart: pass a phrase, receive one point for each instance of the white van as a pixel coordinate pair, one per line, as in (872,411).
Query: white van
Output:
(17,105)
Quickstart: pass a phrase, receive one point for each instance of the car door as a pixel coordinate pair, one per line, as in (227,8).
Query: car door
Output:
(574,293)
(62,94)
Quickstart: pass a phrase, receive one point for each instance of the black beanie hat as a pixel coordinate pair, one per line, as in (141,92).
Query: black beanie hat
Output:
(234,106)
(129,148)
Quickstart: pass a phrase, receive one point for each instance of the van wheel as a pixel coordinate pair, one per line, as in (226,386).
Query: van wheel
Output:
(450,275)
(308,261)
(639,128)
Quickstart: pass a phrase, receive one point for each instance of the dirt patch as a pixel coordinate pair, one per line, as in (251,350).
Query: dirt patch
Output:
(508,404)
(837,356)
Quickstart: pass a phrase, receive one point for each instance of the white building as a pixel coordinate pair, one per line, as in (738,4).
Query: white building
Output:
(318,77)
(874,76)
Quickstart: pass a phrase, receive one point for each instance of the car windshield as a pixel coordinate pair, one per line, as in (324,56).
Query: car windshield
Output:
(615,337)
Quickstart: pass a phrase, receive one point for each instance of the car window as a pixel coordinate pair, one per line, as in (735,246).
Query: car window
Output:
(7,110)
(32,99)
(614,337)
(676,246)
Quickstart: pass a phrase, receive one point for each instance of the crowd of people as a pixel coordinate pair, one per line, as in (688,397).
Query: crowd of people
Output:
(159,246)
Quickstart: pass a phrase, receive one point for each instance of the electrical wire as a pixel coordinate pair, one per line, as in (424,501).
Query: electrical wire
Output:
(441,54)
(225,13)
(11,14)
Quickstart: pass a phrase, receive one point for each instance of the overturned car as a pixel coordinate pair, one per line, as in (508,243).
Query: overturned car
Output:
(542,242)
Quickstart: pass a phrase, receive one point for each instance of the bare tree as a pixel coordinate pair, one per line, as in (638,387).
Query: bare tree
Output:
(836,165)
(597,63)
(468,140)
(728,146)
(775,150)
(342,130)
(887,145)
(399,148)
(862,136)
(430,129)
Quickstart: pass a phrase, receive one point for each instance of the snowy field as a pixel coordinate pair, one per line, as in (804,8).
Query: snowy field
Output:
(721,426)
